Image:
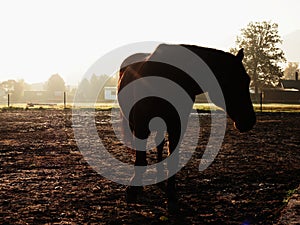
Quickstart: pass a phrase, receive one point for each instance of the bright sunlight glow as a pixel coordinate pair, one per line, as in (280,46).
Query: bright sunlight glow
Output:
(41,38)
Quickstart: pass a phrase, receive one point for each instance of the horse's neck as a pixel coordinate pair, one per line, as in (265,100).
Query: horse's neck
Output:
(183,55)
(216,62)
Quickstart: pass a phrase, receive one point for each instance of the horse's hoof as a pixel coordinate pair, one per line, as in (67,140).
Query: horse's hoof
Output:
(173,206)
(172,203)
(132,193)
(161,186)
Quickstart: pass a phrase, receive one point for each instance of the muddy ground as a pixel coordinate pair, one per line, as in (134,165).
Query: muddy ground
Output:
(46,180)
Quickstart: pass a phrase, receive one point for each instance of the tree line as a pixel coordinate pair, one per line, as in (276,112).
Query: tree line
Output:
(16,88)
(264,61)
(85,91)
(89,88)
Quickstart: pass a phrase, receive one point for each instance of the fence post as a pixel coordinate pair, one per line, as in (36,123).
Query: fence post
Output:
(65,100)
(261,101)
(8,100)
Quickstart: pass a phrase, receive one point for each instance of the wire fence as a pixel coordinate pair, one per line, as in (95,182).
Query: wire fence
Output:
(259,102)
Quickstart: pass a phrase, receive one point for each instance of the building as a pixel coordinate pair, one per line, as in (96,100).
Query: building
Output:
(291,84)
(287,96)
(110,93)
(288,93)
(37,96)
(43,96)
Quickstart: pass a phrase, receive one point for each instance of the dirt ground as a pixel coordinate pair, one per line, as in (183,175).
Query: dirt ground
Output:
(46,180)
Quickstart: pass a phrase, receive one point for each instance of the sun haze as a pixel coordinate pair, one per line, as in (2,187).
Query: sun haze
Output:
(39,39)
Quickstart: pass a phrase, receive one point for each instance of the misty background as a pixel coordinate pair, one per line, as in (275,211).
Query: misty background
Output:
(63,39)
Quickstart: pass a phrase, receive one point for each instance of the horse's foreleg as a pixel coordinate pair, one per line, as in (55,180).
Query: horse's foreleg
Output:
(160,142)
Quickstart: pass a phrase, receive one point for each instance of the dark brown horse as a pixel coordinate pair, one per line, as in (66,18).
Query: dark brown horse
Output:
(225,67)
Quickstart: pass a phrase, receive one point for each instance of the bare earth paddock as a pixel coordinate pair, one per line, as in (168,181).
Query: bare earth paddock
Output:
(45,179)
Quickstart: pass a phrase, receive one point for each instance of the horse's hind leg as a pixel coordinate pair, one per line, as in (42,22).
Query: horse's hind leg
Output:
(172,169)
(140,164)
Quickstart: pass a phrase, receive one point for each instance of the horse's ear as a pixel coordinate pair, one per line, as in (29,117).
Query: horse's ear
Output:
(240,54)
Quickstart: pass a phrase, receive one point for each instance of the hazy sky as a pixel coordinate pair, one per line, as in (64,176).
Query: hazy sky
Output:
(40,38)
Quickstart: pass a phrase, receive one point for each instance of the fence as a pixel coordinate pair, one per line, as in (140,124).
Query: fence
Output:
(57,101)
(268,99)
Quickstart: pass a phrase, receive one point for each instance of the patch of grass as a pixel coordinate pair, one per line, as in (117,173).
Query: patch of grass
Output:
(277,107)
(205,107)
(288,196)
(11,108)
(265,107)
(200,107)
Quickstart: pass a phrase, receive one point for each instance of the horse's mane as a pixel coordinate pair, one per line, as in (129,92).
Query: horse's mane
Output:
(196,48)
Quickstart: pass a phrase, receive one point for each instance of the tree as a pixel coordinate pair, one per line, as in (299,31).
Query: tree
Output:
(263,56)
(95,85)
(84,90)
(18,90)
(290,70)
(8,86)
(15,88)
(102,81)
(55,83)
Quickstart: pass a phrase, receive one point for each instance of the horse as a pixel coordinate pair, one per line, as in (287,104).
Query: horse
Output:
(229,72)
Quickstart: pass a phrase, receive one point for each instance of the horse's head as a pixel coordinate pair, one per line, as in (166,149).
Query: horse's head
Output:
(235,87)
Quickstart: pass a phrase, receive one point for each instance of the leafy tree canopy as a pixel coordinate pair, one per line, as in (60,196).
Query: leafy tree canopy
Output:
(55,83)
(263,54)
(290,70)
(15,88)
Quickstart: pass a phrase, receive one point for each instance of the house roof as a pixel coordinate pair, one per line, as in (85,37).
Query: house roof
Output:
(291,84)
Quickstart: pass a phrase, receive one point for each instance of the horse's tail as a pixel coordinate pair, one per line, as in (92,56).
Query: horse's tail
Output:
(133,59)
(126,131)
(125,77)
